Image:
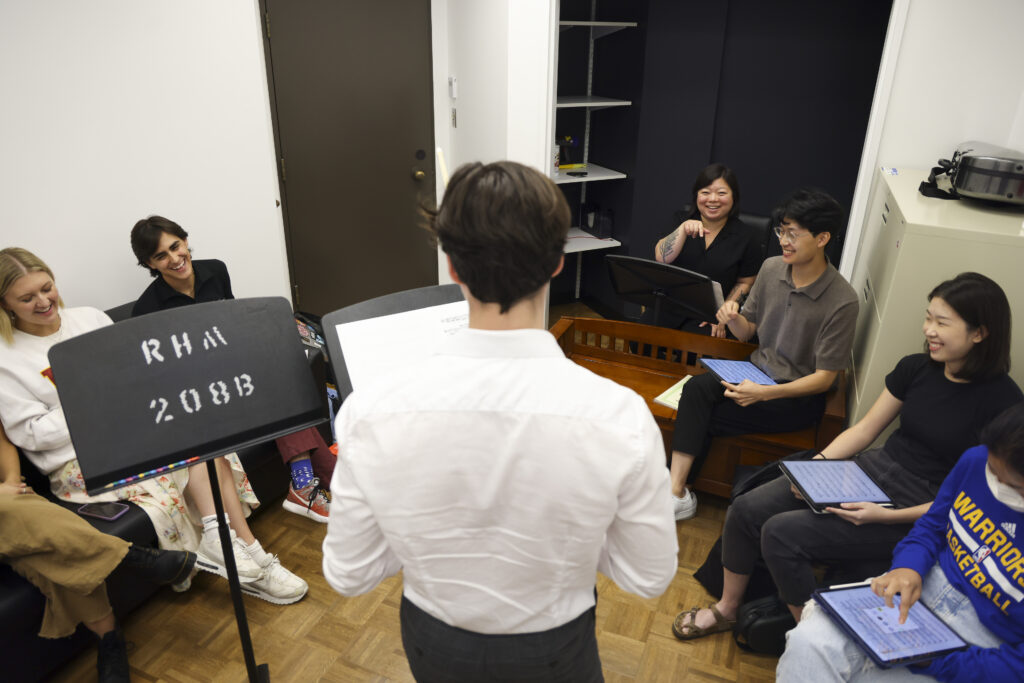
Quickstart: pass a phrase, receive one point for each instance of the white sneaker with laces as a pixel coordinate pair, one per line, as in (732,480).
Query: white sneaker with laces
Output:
(210,557)
(276,584)
(685,507)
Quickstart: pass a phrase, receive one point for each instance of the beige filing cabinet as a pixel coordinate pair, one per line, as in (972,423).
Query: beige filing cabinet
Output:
(910,244)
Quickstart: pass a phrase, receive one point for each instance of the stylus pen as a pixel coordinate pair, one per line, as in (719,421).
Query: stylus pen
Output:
(865,582)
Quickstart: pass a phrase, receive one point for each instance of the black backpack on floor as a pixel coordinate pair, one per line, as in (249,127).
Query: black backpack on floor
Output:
(761,625)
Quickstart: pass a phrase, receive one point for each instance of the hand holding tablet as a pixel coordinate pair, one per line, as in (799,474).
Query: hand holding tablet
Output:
(826,484)
(862,512)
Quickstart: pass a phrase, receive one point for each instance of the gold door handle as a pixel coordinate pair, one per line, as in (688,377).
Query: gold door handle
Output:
(418,175)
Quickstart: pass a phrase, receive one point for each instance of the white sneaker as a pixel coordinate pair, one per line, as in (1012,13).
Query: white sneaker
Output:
(211,557)
(685,507)
(276,584)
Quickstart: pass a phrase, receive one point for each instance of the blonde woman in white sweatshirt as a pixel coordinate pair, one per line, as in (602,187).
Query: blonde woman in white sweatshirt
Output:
(34,320)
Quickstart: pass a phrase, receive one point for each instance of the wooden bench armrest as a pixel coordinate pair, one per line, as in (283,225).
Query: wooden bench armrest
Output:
(656,349)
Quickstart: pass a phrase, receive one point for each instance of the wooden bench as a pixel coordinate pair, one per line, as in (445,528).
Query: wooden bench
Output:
(651,359)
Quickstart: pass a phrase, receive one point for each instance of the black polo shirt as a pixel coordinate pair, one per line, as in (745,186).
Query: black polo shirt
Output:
(212,284)
(735,253)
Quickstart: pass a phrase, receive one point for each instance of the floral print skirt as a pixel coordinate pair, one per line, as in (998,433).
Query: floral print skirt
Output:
(177,523)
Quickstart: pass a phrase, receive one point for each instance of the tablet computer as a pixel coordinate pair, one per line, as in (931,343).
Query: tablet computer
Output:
(829,483)
(735,371)
(876,628)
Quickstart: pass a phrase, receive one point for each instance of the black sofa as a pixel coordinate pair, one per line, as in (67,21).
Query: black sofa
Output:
(31,658)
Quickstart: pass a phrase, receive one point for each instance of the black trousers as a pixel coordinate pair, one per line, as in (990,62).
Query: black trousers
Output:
(439,653)
(772,523)
(704,412)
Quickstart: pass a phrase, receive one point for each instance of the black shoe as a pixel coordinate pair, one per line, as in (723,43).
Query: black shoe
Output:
(160,566)
(112,659)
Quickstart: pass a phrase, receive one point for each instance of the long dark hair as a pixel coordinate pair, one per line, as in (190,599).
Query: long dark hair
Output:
(983,306)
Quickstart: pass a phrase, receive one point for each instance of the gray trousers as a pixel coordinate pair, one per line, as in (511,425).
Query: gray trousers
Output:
(772,523)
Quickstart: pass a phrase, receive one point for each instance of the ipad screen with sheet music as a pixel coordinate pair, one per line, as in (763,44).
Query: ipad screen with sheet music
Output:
(864,616)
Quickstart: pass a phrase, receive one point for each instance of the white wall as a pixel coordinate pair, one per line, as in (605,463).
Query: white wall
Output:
(532,30)
(501,54)
(116,109)
(478,57)
(958,78)
(951,72)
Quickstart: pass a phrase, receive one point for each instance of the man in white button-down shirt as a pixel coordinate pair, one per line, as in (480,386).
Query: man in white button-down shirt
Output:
(500,476)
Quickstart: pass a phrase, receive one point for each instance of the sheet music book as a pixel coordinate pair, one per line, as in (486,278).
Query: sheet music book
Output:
(829,483)
(876,628)
(735,371)
(377,346)
(670,397)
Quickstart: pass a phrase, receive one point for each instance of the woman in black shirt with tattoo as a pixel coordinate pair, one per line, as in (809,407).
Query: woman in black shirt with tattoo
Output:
(714,242)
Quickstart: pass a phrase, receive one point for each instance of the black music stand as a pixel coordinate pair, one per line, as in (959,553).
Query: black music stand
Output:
(183,386)
(389,304)
(661,285)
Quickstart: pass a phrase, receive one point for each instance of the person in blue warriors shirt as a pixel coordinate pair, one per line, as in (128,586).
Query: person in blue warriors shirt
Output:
(963,560)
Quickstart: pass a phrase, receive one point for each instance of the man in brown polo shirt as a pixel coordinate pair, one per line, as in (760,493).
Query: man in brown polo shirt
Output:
(804,314)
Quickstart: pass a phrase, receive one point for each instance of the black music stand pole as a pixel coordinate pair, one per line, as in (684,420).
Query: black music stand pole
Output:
(257,673)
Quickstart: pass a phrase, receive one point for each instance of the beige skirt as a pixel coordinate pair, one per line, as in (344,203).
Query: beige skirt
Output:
(177,523)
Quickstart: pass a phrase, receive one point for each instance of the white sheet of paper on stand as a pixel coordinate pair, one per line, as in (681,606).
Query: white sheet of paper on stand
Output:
(397,342)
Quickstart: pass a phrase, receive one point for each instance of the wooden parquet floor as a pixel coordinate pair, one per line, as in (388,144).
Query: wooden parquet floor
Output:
(192,636)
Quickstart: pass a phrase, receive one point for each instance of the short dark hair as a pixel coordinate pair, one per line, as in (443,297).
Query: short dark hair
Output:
(982,304)
(146,238)
(815,211)
(710,174)
(504,226)
(1004,437)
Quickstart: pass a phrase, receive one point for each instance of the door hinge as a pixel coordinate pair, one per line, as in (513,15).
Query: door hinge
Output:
(295,296)
(284,172)
(455,123)
(266,20)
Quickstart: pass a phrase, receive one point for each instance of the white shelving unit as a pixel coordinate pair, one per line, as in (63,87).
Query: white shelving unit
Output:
(579,240)
(594,172)
(599,29)
(591,101)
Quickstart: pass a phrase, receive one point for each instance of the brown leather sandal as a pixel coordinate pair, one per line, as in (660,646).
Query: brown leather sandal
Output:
(684,630)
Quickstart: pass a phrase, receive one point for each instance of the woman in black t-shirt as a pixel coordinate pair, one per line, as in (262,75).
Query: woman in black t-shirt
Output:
(943,397)
(713,242)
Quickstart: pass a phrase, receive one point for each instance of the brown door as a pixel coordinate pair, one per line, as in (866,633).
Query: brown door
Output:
(351,94)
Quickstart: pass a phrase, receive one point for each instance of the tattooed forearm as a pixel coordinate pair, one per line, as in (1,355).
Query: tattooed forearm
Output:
(667,244)
(737,292)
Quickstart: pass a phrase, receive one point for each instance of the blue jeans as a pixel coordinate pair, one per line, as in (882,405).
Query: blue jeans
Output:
(818,651)
(440,653)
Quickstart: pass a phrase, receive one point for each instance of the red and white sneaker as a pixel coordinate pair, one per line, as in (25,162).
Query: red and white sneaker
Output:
(311,501)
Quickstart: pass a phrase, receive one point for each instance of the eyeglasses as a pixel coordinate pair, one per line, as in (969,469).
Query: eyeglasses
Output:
(787,236)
